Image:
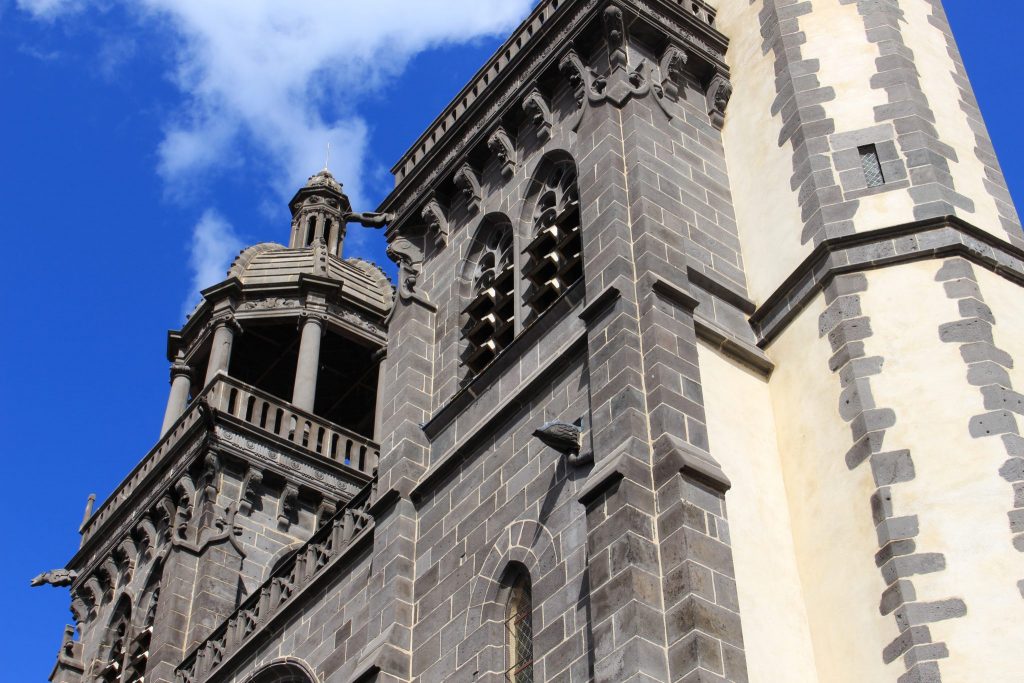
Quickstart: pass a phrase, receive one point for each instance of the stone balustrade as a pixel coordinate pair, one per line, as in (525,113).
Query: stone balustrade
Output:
(267,413)
(287,582)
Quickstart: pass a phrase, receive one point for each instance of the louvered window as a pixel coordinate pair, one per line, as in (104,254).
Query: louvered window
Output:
(112,666)
(519,631)
(490,316)
(138,653)
(553,257)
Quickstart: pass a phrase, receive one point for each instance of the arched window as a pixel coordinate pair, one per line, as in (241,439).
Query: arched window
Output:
(138,652)
(287,671)
(519,630)
(112,659)
(553,257)
(489,320)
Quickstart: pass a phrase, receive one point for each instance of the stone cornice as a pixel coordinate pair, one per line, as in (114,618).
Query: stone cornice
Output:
(916,241)
(501,85)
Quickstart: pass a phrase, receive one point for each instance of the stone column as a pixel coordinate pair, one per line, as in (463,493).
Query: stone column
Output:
(304,392)
(220,350)
(181,386)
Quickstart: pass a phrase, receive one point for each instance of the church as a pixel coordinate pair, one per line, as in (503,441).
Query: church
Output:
(703,364)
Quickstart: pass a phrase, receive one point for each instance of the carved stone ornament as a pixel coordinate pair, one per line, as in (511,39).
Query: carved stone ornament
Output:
(289,504)
(436,220)
(620,84)
(468,182)
(58,578)
(673,62)
(504,150)
(409,257)
(566,438)
(615,35)
(251,491)
(718,96)
(536,106)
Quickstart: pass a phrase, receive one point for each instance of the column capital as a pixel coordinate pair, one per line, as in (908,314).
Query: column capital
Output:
(180,369)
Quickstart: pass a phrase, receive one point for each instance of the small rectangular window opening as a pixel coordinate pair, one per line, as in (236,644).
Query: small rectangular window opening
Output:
(872,167)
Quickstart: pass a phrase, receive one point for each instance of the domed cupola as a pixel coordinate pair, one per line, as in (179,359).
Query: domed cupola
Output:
(291,341)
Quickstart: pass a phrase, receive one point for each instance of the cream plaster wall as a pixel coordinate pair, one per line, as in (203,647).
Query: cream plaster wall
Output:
(935,66)
(767,211)
(1007,303)
(775,630)
(830,510)
(958,494)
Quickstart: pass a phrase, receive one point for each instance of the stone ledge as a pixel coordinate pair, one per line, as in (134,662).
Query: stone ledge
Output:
(921,240)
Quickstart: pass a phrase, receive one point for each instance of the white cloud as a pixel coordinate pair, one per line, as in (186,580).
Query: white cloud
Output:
(50,9)
(285,78)
(214,246)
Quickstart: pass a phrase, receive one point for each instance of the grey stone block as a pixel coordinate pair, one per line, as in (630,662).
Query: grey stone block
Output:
(892,467)
(991,424)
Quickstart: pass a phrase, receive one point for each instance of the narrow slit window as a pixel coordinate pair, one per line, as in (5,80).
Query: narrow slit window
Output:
(872,167)
(519,629)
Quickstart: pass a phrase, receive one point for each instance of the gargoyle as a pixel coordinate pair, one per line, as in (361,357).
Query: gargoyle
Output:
(57,578)
(565,438)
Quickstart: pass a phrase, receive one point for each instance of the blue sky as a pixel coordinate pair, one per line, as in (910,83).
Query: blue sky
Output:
(143,143)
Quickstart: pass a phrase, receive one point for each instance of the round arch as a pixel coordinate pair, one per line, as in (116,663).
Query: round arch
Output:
(286,670)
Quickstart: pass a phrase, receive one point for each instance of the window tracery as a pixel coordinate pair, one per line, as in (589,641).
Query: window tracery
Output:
(490,316)
(112,664)
(553,257)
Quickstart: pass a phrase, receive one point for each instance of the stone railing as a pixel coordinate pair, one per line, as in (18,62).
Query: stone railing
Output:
(287,582)
(305,430)
(259,409)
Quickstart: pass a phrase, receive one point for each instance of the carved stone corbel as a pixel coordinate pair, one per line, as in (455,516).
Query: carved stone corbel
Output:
(79,609)
(251,486)
(436,220)
(324,512)
(186,490)
(504,150)
(210,476)
(578,75)
(536,106)
(718,95)
(147,533)
(289,505)
(468,182)
(673,63)
(409,257)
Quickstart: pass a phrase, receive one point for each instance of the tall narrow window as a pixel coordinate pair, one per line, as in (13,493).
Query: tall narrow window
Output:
(310,230)
(490,316)
(519,629)
(872,167)
(138,652)
(554,261)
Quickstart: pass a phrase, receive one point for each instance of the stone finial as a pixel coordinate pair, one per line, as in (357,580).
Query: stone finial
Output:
(536,106)
(502,147)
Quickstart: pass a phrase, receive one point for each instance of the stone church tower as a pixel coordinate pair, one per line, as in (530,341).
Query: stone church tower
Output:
(700,366)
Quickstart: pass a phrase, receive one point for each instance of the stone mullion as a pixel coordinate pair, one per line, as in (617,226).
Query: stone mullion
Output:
(625,602)
(702,621)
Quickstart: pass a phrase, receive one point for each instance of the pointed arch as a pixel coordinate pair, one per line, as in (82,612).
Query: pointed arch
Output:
(487,287)
(553,256)
(114,646)
(137,660)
